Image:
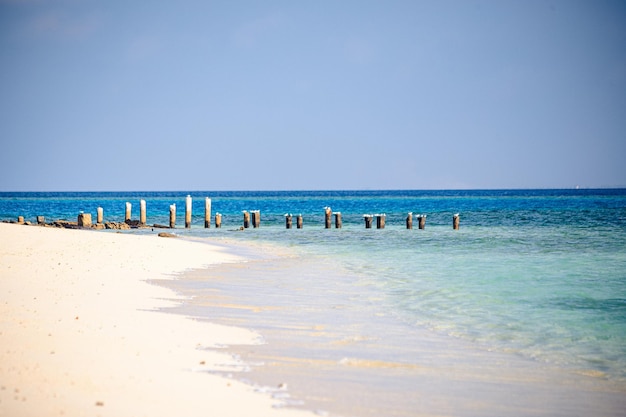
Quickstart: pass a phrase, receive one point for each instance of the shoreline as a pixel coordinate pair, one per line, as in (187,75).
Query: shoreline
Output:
(346,355)
(82,334)
(165,368)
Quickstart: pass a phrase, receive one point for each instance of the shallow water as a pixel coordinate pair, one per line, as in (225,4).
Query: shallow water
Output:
(333,340)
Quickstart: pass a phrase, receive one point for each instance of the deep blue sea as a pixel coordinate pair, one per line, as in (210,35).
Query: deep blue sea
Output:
(538,274)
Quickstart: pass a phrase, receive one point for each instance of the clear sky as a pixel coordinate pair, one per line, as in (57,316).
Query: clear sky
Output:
(274,95)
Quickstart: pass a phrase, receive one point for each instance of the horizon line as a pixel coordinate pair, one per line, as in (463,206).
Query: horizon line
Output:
(188,191)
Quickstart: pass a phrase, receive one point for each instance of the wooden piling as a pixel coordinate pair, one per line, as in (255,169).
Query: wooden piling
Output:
(142,212)
(338,220)
(328,213)
(368,220)
(207,212)
(256,218)
(288,221)
(100,215)
(84,220)
(409,221)
(172,216)
(299,221)
(380,221)
(246,219)
(127,214)
(421,219)
(188,212)
(218,220)
(455,221)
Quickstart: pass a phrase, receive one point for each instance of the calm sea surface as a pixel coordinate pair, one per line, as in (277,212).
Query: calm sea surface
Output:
(538,275)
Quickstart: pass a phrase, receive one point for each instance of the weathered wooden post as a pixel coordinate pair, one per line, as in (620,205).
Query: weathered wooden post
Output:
(41,220)
(142,212)
(409,221)
(368,220)
(328,213)
(246,219)
(421,219)
(172,216)
(127,214)
(207,212)
(100,215)
(299,221)
(380,221)
(188,212)
(288,221)
(455,221)
(338,220)
(84,219)
(20,219)
(218,220)
(256,218)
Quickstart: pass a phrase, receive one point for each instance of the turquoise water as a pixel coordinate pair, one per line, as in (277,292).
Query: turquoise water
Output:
(540,274)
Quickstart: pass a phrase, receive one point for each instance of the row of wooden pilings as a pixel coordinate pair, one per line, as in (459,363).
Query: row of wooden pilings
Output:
(188,213)
(255,219)
(380,220)
(84,219)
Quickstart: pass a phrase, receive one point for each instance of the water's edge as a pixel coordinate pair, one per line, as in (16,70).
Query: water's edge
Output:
(339,355)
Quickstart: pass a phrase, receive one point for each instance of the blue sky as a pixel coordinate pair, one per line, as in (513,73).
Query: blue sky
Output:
(274,95)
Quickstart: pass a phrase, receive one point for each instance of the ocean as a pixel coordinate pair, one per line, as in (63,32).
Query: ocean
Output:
(531,287)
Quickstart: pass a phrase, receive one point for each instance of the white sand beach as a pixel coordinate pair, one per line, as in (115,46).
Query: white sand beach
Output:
(80,334)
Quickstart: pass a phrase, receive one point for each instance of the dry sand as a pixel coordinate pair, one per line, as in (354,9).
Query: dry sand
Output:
(79,334)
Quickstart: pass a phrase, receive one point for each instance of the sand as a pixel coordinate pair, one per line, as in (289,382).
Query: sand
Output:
(80,334)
